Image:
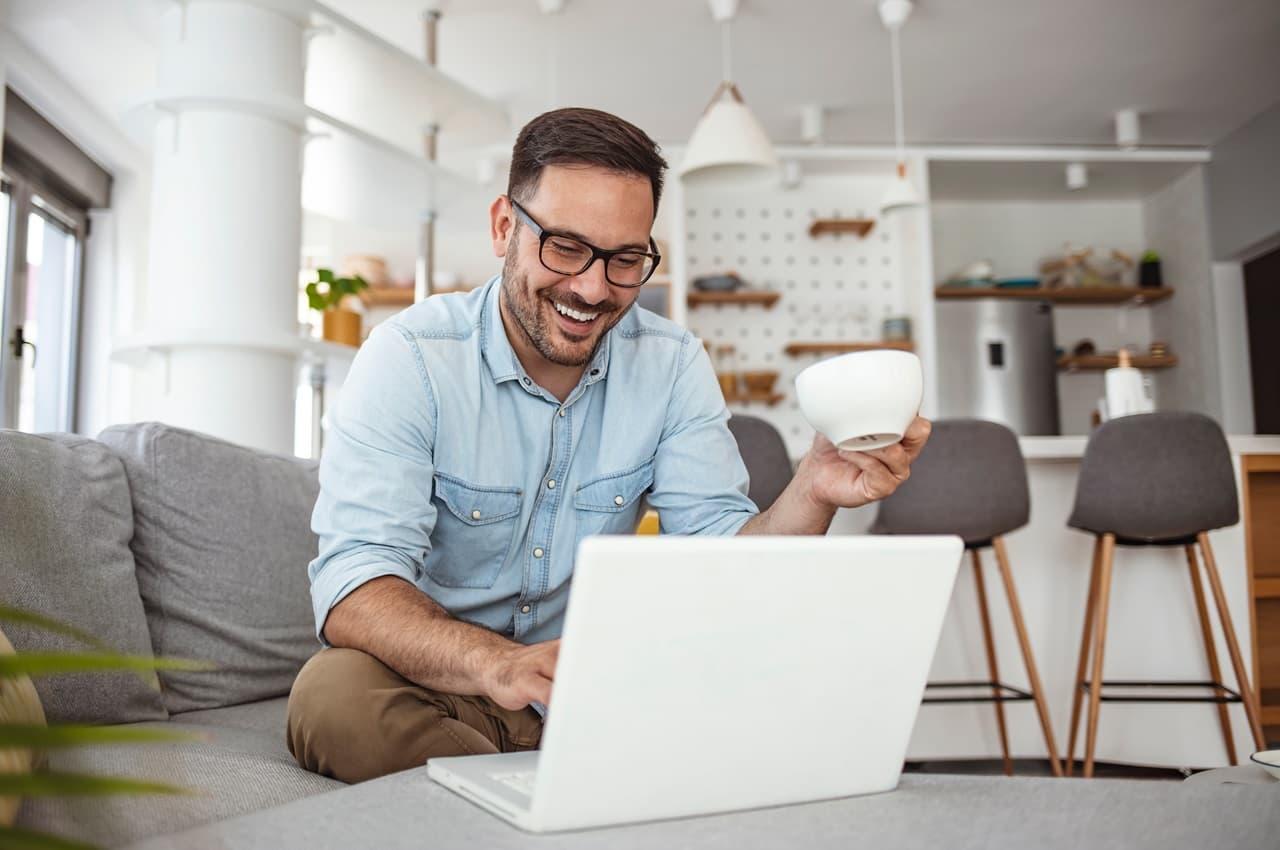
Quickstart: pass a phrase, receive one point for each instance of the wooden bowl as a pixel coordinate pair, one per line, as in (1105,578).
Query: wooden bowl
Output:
(759,382)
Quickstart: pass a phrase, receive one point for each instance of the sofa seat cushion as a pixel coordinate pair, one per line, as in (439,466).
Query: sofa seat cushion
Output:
(232,771)
(66,520)
(259,726)
(222,541)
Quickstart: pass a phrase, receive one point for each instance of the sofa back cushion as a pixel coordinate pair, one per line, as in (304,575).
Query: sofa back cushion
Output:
(65,525)
(222,540)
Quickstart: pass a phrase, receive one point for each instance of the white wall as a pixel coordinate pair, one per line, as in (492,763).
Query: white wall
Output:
(1233,348)
(1016,236)
(116,254)
(1244,188)
(1175,226)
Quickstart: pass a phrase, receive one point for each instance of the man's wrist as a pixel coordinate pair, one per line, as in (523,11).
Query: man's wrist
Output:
(811,505)
(486,663)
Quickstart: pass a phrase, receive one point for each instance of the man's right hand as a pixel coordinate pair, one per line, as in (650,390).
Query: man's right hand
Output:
(523,674)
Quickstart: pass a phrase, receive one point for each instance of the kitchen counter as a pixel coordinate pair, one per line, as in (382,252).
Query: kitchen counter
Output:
(1152,633)
(1072,448)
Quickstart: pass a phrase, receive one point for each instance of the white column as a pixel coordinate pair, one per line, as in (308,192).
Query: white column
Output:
(226,217)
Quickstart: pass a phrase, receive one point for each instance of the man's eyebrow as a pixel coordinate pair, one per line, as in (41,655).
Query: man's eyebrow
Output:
(573,234)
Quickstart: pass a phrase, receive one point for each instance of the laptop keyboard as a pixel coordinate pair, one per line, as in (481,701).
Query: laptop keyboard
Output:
(520,780)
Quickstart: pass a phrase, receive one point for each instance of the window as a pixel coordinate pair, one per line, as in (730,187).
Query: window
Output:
(47,187)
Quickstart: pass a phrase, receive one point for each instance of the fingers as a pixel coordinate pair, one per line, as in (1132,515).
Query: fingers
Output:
(540,689)
(891,460)
(546,660)
(917,435)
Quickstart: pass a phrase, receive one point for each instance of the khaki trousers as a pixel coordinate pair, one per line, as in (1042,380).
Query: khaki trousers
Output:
(353,718)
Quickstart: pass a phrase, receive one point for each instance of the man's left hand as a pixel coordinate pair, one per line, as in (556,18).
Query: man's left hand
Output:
(849,479)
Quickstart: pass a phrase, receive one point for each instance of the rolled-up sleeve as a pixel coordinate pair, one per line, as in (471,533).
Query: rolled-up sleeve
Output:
(374,515)
(700,482)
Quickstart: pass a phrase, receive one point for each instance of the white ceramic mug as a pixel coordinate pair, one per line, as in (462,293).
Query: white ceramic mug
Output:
(863,400)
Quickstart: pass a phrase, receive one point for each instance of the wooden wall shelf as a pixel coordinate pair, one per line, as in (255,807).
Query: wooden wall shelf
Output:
(797,349)
(764,299)
(387,296)
(1080,296)
(1096,362)
(858,226)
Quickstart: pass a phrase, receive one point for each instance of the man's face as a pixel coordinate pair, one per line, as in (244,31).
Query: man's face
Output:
(606,209)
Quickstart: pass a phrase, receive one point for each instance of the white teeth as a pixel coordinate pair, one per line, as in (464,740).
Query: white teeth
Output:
(574,314)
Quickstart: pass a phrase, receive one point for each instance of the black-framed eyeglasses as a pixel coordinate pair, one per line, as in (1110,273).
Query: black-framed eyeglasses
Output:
(569,255)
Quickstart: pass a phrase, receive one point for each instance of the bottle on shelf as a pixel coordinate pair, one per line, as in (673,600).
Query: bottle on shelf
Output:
(1127,391)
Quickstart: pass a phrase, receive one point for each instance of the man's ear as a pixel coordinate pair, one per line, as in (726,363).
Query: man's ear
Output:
(502,223)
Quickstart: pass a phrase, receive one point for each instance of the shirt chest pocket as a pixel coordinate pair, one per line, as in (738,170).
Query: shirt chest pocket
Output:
(609,504)
(476,528)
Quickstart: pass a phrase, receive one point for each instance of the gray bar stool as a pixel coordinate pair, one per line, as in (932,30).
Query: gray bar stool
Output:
(765,454)
(1157,479)
(971,481)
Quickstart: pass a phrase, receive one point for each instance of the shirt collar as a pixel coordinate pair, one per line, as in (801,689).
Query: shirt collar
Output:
(501,357)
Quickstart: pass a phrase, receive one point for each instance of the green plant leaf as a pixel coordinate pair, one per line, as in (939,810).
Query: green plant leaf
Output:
(75,735)
(13,838)
(51,663)
(78,784)
(39,621)
(315,300)
(324,275)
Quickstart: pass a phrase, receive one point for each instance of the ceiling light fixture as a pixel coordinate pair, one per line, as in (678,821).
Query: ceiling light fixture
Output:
(727,141)
(1127,133)
(812,122)
(901,194)
(1077,176)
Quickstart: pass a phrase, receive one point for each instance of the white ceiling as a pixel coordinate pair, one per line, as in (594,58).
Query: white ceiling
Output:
(1047,181)
(976,71)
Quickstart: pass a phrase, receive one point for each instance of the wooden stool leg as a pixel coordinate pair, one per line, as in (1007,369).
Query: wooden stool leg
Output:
(991,658)
(1099,643)
(1233,647)
(1082,666)
(1033,676)
(1215,671)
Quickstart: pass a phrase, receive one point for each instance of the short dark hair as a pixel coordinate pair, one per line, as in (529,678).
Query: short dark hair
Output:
(577,136)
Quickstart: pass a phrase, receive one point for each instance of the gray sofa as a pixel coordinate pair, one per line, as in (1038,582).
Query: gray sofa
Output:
(167,542)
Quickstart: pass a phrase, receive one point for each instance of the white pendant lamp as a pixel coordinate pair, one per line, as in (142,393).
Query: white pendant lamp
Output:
(728,142)
(901,193)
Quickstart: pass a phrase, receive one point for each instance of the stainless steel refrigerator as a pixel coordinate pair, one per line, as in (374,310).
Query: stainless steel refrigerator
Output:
(996,361)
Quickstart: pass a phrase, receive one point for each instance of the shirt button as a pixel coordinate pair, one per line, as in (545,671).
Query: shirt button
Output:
(525,609)
(617,500)
(537,553)
(551,485)
(475,515)
(562,411)
(527,382)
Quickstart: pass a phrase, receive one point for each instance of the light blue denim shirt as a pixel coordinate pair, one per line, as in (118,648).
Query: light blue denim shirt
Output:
(445,464)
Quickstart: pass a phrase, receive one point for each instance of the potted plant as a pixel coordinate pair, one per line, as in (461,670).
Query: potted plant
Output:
(1149,270)
(326,294)
(24,734)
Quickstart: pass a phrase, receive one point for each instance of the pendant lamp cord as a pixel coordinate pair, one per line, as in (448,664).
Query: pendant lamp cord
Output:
(726,53)
(898,131)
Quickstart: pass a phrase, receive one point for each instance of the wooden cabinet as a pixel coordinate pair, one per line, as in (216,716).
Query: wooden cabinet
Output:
(1261,484)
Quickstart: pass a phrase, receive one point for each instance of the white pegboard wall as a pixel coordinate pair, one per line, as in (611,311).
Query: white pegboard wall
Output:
(833,287)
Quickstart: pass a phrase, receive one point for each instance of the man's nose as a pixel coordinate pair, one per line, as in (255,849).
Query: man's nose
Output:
(591,285)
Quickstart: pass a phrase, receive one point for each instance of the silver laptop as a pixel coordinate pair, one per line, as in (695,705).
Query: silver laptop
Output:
(710,674)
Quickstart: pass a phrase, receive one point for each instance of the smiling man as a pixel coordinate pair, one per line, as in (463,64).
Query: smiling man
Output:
(480,436)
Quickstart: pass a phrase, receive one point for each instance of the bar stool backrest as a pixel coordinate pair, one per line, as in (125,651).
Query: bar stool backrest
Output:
(765,454)
(1156,477)
(970,480)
